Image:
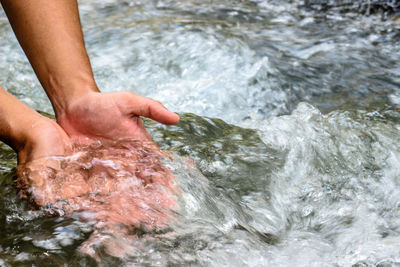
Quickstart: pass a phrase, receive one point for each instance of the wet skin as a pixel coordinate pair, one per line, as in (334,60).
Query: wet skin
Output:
(118,186)
(109,182)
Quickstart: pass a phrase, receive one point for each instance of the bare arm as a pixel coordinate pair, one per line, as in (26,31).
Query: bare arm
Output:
(51,36)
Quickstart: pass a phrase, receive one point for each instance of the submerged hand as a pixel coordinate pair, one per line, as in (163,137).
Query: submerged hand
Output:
(112,116)
(121,182)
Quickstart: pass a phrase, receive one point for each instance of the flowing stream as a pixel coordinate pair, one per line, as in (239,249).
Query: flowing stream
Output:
(287,153)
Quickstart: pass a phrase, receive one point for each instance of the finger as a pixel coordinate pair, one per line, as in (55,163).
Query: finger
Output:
(147,107)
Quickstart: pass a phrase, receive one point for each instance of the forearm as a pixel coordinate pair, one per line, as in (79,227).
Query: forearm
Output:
(51,36)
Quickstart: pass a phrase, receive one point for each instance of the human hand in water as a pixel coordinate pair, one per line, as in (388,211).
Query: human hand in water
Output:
(121,182)
(112,116)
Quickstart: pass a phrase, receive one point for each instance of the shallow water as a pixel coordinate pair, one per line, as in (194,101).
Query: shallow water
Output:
(278,182)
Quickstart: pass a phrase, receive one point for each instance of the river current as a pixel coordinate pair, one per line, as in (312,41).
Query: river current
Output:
(287,153)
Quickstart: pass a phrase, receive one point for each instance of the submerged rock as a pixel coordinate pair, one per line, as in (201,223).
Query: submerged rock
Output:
(388,8)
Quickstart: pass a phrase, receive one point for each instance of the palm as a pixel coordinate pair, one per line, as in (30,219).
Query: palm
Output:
(112,116)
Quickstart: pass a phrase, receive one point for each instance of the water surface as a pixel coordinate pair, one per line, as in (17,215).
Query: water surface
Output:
(291,116)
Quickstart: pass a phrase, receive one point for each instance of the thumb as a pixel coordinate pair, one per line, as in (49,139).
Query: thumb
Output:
(149,108)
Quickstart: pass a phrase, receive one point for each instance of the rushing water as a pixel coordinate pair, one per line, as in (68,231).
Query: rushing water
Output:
(276,182)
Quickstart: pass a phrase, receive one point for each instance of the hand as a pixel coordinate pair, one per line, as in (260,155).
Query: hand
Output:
(112,116)
(44,138)
(122,182)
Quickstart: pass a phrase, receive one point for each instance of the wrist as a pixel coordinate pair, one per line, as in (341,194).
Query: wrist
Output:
(63,94)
